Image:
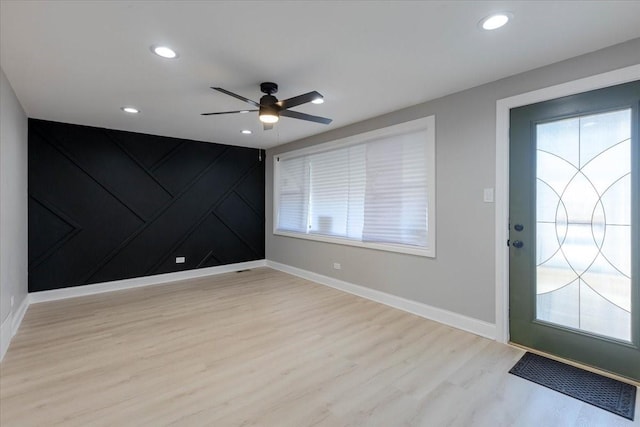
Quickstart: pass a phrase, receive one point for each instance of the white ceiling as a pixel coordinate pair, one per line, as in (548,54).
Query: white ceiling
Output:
(79,62)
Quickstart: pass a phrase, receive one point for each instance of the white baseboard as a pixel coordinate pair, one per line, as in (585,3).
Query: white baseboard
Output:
(5,335)
(459,321)
(136,282)
(11,324)
(19,315)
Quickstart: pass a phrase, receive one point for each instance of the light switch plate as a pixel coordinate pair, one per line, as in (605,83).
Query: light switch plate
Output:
(488,195)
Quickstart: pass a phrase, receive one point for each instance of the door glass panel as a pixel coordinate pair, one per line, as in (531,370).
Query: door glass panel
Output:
(583,223)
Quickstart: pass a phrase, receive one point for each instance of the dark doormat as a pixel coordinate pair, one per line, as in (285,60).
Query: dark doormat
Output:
(606,393)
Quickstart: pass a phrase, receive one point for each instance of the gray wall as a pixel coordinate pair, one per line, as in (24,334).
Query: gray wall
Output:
(13,201)
(461,278)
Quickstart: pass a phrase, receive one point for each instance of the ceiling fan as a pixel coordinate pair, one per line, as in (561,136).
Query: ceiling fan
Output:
(270,109)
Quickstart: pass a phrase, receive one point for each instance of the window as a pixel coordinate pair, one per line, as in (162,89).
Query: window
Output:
(374,190)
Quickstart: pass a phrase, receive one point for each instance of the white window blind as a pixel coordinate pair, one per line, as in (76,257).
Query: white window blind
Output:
(373,190)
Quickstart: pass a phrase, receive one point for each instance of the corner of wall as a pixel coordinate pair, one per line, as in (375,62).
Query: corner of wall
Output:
(13,213)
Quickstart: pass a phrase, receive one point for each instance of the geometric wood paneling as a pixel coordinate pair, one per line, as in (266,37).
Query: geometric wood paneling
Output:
(107,205)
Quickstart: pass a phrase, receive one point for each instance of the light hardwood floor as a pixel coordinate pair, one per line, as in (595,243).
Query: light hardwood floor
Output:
(263,348)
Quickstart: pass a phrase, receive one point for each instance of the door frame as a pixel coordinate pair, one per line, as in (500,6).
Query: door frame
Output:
(598,81)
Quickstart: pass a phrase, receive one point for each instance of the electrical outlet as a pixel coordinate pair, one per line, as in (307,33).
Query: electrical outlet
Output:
(337,266)
(180,260)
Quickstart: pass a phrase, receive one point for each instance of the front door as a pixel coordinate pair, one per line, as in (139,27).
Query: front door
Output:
(574,232)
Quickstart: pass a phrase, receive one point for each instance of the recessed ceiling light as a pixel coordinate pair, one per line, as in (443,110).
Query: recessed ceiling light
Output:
(130,110)
(246,132)
(495,21)
(319,100)
(244,111)
(164,51)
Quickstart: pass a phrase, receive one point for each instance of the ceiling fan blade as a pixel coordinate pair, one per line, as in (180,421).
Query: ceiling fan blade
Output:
(226,112)
(298,100)
(303,116)
(267,126)
(235,95)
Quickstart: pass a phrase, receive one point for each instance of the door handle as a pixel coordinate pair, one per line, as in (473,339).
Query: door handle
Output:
(517,244)
(518,227)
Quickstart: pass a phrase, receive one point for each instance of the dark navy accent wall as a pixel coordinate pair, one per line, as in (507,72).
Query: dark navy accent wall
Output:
(107,205)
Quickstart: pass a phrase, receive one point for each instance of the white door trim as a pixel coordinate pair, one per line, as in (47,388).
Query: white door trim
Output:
(503,106)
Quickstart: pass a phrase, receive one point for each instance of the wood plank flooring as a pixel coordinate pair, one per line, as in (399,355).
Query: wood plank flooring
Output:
(263,348)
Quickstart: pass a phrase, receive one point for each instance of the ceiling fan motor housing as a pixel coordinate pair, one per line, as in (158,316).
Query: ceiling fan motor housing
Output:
(268,100)
(269,88)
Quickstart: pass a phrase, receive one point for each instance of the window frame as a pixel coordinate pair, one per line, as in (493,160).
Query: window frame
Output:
(423,124)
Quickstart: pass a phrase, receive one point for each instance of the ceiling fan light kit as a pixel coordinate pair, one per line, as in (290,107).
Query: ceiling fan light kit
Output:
(268,116)
(270,109)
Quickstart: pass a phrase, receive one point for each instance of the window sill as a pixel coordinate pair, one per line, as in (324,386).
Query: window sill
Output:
(387,247)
